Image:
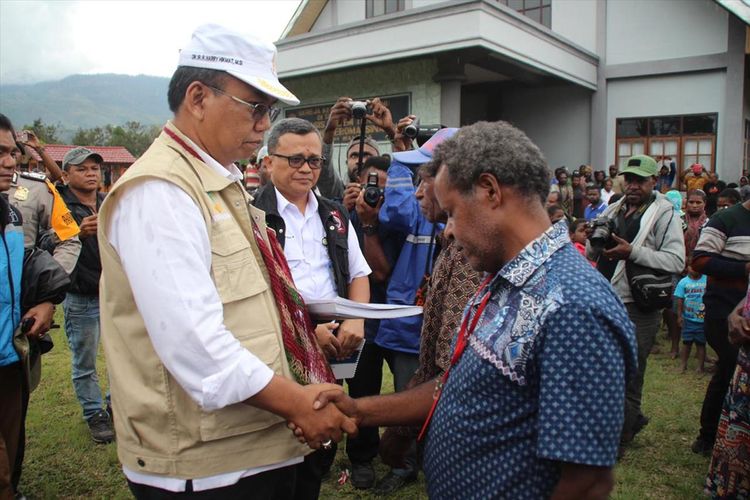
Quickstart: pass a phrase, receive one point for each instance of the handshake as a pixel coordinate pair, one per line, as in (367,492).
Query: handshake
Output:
(325,414)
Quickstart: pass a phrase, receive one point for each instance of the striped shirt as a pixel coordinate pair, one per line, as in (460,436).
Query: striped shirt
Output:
(722,253)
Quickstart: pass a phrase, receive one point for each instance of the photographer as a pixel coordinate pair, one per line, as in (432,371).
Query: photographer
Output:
(329,184)
(645,231)
(399,338)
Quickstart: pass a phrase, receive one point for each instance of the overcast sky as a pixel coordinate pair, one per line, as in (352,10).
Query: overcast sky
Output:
(49,40)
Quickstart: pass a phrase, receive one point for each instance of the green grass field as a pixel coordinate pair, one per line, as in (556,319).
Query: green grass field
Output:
(63,462)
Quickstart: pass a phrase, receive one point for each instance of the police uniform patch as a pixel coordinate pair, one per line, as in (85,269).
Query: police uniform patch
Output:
(21,194)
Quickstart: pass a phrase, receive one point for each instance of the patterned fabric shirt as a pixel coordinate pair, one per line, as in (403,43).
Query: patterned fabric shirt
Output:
(542,379)
(452,284)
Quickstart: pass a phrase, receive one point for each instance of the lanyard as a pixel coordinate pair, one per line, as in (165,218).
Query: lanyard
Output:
(182,143)
(464,334)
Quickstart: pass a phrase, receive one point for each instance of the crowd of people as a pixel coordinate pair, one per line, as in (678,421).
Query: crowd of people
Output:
(197,273)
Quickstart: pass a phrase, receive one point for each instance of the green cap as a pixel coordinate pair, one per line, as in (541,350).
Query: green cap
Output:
(641,165)
(78,155)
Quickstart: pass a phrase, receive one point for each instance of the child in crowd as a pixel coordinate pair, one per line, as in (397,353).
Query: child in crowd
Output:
(690,314)
(555,213)
(579,232)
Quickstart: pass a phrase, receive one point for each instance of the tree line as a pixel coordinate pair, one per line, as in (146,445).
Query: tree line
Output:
(133,136)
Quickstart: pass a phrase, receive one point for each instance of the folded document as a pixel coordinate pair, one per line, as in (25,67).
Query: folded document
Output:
(340,308)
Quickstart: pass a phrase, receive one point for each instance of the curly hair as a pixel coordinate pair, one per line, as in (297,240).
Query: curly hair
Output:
(497,148)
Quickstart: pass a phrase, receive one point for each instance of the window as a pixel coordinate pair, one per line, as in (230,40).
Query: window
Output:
(538,10)
(683,139)
(374,8)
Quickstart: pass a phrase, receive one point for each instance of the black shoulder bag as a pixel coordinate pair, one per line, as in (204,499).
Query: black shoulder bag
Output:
(651,288)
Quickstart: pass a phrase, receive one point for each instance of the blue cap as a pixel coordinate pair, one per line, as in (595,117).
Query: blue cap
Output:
(424,153)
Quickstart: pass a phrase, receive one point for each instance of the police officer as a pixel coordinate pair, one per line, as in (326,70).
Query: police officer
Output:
(45,217)
(47,223)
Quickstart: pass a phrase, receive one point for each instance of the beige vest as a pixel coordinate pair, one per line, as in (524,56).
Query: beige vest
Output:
(160,429)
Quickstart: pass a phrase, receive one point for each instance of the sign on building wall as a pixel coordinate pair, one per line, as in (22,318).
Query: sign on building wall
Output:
(318,116)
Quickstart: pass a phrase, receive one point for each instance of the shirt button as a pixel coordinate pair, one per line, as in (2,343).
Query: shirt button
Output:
(281,231)
(331,228)
(236,203)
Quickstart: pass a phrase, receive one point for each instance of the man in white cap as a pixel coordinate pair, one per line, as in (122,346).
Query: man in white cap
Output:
(209,348)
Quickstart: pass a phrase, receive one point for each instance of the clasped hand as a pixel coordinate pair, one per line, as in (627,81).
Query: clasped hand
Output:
(323,421)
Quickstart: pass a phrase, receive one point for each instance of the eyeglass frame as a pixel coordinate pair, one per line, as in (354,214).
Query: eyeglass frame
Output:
(304,160)
(272,111)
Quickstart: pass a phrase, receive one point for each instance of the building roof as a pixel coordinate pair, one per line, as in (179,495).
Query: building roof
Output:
(110,154)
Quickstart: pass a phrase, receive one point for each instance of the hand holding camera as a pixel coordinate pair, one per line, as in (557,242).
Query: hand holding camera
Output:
(340,112)
(401,141)
(29,138)
(381,116)
(351,193)
(367,213)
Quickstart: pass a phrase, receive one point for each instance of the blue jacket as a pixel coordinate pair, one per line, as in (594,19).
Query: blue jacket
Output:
(11,263)
(400,213)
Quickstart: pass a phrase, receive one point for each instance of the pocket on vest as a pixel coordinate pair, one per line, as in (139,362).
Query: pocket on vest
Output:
(236,272)
(241,418)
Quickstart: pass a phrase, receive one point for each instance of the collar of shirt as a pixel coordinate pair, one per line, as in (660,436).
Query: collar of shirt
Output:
(282,204)
(521,300)
(230,172)
(533,255)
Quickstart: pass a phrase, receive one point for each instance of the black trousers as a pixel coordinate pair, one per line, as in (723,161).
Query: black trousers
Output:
(367,382)
(717,331)
(277,484)
(310,473)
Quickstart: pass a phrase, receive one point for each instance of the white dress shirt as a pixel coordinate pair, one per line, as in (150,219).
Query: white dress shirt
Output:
(307,254)
(160,235)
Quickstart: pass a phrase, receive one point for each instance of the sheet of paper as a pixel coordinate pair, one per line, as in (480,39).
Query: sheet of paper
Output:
(340,308)
(346,368)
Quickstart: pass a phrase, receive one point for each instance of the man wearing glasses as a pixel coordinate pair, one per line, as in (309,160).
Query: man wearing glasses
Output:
(322,250)
(208,348)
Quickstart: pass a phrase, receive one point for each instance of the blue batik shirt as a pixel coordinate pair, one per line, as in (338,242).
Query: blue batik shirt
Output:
(541,381)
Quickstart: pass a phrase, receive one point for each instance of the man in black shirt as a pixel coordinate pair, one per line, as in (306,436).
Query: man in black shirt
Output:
(82,173)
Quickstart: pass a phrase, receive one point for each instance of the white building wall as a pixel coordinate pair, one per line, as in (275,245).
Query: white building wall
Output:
(666,95)
(415,4)
(326,19)
(557,119)
(652,30)
(576,21)
(350,11)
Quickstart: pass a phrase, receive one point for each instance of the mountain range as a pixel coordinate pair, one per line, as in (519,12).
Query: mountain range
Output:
(85,101)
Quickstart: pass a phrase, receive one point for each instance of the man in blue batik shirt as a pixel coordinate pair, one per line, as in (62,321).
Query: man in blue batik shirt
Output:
(533,405)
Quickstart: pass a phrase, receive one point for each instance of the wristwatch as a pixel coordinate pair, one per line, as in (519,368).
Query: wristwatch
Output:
(370,229)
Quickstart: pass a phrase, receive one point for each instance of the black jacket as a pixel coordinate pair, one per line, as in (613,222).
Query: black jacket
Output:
(335,221)
(86,274)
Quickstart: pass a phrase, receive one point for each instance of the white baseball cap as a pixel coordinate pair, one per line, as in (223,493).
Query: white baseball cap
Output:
(243,56)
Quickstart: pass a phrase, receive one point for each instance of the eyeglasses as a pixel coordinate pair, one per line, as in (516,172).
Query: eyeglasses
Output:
(296,161)
(258,109)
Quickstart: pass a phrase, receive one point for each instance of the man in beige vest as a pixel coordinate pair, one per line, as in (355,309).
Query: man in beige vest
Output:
(201,324)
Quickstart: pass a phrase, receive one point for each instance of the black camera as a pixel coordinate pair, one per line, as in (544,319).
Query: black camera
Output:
(421,133)
(360,109)
(601,231)
(373,193)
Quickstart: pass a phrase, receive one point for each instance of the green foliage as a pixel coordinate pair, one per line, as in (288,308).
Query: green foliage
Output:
(97,136)
(63,462)
(45,132)
(133,136)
